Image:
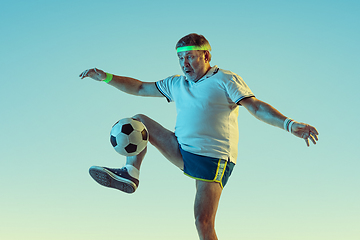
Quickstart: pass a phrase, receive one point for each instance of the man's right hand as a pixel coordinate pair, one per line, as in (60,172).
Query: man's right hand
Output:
(94,73)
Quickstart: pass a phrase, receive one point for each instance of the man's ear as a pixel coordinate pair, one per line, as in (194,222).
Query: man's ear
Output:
(207,56)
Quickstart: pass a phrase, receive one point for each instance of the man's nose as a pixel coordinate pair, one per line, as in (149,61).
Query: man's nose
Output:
(186,62)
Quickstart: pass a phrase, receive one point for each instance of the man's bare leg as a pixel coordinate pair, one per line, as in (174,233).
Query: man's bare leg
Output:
(127,179)
(161,138)
(205,208)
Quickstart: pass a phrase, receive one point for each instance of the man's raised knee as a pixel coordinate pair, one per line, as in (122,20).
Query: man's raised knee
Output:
(140,117)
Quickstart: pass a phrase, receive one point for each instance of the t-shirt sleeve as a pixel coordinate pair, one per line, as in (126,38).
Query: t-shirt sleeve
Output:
(237,89)
(165,86)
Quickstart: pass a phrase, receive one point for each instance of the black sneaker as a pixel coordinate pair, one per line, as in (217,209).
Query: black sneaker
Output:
(114,178)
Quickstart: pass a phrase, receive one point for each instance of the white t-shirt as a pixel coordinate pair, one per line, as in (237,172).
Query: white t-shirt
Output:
(207,111)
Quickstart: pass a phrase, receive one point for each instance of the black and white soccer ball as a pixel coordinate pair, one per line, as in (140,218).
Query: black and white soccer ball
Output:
(129,137)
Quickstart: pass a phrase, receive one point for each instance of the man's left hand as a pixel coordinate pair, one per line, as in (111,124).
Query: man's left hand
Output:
(305,131)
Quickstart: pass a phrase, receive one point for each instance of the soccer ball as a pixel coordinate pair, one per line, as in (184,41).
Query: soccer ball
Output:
(129,137)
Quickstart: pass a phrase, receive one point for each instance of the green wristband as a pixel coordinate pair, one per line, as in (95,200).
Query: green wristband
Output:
(108,78)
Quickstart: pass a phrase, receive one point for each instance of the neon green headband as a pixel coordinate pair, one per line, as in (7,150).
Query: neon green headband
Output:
(189,48)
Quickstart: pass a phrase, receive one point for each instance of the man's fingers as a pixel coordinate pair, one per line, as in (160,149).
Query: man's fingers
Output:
(85,74)
(92,73)
(307,142)
(312,129)
(314,135)
(313,139)
(305,132)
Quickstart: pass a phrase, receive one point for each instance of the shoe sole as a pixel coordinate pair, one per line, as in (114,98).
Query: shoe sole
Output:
(108,179)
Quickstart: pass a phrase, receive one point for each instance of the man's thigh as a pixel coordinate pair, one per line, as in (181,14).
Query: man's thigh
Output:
(206,200)
(163,139)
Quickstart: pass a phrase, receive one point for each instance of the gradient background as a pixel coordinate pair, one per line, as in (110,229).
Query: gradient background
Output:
(301,57)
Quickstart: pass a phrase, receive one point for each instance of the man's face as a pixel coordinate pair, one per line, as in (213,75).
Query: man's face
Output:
(194,64)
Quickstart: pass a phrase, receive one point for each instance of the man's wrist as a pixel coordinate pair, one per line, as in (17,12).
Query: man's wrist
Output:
(108,78)
(288,124)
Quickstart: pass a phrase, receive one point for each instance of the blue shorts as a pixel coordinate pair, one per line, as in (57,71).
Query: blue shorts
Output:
(206,168)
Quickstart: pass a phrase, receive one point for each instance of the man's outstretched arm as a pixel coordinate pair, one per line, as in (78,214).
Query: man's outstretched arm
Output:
(125,84)
(270,115)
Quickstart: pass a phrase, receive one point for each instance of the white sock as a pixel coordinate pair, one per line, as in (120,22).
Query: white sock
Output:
(133,171)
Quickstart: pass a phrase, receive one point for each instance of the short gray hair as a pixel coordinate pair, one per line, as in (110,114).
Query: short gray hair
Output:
(194,39)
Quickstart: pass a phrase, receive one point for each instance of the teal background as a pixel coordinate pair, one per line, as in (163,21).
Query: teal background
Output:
(301,57)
